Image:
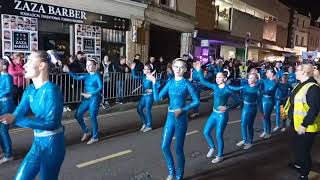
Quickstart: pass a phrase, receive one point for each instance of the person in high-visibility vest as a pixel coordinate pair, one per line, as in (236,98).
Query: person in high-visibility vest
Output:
(243,68)
(303,108)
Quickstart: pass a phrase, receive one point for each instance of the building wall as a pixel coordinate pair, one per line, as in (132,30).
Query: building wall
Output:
(187,7)
(282,36)
(314,39)
(205,15)
(243,23)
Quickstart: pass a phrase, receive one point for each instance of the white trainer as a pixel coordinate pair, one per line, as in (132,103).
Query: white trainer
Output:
(147,129)
(276,129)
(217,160)
(263,134)
(267,136)
(85,136)
(5,160)
(240,143)
(142,128)
(210,153)
(283,129)
(92,140)
(170,177)
(247,146)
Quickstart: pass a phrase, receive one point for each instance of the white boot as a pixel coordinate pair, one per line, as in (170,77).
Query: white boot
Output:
(247,146)
(283,129)
(276,129)
(147,129)
(263,134)
(5,160)
(170,177)
(92,140)
(142,128)
(240,143)
(267,136)
(85,136)
(210,153)
(217,160)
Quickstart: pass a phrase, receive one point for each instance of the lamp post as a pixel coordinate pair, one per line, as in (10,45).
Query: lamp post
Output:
(247,44)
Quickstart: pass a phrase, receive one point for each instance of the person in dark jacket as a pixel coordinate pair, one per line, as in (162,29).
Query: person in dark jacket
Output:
(139,65)
(121,69)
(303,108)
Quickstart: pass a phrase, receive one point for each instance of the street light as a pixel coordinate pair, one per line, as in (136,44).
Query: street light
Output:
(247,44)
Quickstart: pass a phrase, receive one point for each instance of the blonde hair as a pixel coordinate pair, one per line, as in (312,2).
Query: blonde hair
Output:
(180,60)
(307,68)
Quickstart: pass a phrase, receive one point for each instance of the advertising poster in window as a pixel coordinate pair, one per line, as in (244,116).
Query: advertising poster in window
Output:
(19,34)
(88,40)
(270,30)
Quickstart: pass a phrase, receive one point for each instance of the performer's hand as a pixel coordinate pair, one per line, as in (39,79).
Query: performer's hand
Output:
(7,118)
(222,108)
(86,95)
(301,130)
(177,112)
(197,65)
(149,91)
(151,77)
(133,65)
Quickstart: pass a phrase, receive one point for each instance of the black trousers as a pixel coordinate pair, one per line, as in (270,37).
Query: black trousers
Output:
(302,145)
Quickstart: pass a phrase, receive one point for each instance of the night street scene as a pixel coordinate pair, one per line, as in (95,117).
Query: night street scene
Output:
(160,90)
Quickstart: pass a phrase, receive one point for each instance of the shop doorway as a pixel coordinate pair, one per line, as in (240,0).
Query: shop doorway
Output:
(164,42)
(56,41)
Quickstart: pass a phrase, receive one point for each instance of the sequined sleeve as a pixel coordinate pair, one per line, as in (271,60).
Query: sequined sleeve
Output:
(203,81)
(77,77)
(8,84)
(195,99)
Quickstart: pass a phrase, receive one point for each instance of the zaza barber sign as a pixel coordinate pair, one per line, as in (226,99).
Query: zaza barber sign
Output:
(44,11)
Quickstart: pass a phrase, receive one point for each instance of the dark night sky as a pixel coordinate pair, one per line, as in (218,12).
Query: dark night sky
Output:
(306,6)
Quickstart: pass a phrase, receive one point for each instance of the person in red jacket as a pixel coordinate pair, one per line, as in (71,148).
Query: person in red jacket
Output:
(16,70)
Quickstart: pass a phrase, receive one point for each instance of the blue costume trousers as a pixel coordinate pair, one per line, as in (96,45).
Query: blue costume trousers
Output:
(248,116)
(278,114)
(92,104)
(267,105)
(5,140)
(219,121)
(146,101)
(45,156)
(174,127)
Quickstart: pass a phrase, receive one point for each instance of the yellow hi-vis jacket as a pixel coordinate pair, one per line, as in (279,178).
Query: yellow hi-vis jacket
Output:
(300,109)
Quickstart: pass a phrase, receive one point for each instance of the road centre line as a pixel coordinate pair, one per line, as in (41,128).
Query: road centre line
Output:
(89,163)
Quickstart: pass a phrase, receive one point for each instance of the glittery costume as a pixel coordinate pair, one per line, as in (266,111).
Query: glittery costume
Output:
(48,149)
(146,99)
(93,86)
(262,73)
(268,88)
(250,97)
(6,106)
(218,119)
(178,92)
(282,93)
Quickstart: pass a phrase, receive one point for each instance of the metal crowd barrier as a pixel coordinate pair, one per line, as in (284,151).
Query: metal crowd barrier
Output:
(115,85)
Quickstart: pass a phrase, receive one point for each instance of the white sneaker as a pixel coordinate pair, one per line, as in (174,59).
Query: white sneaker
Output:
(85,136)
(193,115)
(217,160)
(247,146)
(267,136)
(142,128)
(263,134)
(170,177)
(240,143)
(283,129)
(92,140)
(210,153)
(147,129)
(276,129)
(5,160)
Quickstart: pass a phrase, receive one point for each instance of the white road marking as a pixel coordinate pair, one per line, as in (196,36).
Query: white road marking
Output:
(89,163)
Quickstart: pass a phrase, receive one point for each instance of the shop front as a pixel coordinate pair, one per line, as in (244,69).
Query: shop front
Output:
(28,26)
